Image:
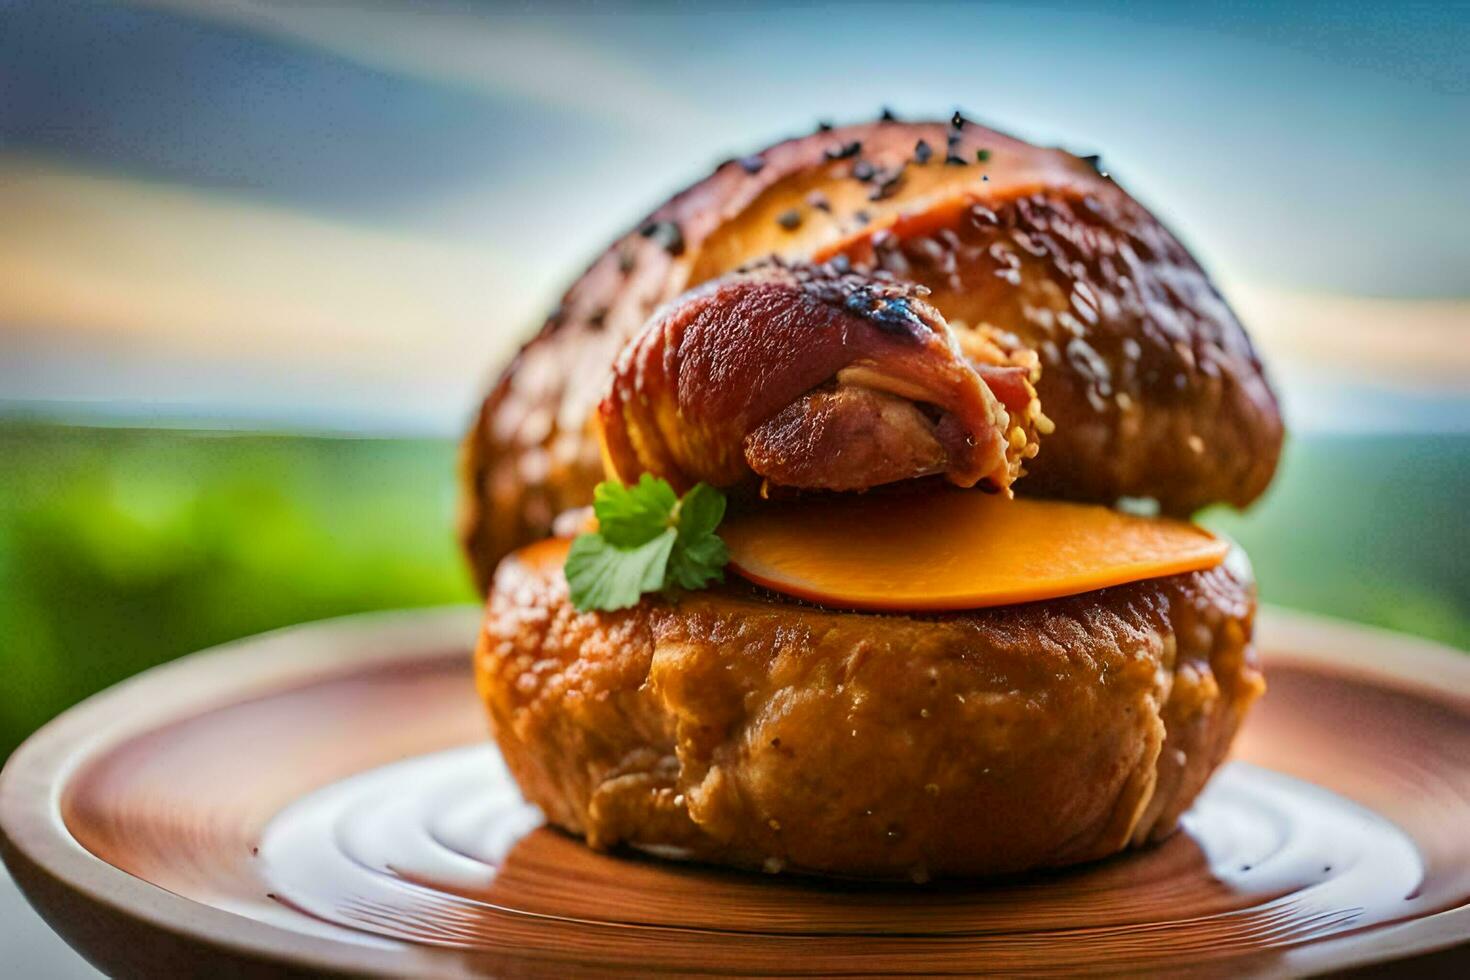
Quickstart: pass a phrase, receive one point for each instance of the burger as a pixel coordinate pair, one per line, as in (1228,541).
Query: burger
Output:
(837,520)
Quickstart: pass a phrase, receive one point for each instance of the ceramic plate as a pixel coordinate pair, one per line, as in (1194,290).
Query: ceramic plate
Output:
(324,799)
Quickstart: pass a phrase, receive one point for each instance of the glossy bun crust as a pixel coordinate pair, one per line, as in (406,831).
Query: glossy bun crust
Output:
(746,729)
(1152,384)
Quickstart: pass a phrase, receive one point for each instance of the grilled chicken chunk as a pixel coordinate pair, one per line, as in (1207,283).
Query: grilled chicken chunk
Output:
(812,377)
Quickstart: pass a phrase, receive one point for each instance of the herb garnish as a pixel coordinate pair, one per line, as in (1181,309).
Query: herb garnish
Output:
(648,540)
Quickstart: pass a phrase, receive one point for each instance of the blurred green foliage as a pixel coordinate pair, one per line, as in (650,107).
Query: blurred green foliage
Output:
(1370,528)
(122,548)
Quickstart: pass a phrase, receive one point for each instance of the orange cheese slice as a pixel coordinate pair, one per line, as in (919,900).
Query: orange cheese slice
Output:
(955,549)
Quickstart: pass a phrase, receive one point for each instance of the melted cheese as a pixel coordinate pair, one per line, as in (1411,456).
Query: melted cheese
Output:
(955,549)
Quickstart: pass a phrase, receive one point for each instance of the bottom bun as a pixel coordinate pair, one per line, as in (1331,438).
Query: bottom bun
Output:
(741,728)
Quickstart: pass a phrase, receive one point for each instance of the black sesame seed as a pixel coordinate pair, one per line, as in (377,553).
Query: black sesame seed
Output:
(922,152)
(888,185)
(790,220)
(665,233)
(958,121)
(845,150)
(887,115)
(955,160)
(598,317)
(982,155)
(823,126)
(954,139)
(818,200)
(863,217)
(863,170)
(752,164)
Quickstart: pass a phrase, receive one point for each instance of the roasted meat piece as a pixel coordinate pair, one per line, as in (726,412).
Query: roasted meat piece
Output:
(813,377)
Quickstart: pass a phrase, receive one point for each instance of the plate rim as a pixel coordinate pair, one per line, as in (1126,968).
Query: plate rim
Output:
(37,846)
(43,855)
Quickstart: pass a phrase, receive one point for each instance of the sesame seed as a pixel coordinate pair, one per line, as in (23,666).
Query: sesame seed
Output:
(888,185)
(981,216)
(790,220)
(752,164)
(665,233)
(922,152)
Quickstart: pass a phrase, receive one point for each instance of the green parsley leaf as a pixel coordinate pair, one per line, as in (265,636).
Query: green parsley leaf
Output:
(648,540)
(700,555)
(631,516)
(603,576)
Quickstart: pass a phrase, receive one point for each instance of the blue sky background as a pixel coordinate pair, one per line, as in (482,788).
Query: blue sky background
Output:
(1302,149)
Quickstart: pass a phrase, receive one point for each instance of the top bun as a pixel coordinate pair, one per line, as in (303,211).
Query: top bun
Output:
(1150,380)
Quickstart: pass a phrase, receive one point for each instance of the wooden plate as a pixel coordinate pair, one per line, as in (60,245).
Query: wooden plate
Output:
(323,799)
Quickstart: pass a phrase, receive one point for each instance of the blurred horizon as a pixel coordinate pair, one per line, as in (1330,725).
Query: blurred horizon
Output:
(345,218)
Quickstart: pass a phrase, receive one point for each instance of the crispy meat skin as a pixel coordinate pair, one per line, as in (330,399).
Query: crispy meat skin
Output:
(690,391)
(1150,379)
(744,729)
